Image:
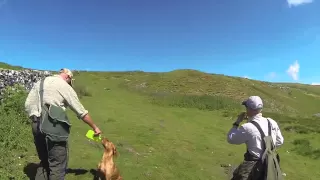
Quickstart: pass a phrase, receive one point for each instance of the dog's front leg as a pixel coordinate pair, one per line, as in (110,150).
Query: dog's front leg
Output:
(99,175)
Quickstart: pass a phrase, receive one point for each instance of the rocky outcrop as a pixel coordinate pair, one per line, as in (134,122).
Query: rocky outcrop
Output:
(25,77)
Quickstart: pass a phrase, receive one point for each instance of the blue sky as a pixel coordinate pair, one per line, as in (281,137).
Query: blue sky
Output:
(273,40)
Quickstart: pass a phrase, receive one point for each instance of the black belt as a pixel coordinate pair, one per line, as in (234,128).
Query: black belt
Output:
(250,157)
(34,118)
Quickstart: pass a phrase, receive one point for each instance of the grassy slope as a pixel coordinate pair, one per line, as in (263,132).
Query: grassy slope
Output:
(289,98)
(165,142)
(8,66)
(161,142)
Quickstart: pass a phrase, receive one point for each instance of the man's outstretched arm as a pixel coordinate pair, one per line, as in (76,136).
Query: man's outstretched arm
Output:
(76,106)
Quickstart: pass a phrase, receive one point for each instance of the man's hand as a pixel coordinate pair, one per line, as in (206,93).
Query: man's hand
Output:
(96,131)
(241,117)
(87,119)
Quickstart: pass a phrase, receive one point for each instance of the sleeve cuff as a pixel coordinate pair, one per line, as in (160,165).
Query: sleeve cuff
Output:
(83,114)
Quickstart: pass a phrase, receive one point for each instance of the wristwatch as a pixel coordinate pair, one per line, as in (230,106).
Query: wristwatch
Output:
(235,124)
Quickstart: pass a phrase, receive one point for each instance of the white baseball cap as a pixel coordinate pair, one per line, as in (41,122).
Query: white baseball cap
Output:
(66,71)
(253,102)
(69,73)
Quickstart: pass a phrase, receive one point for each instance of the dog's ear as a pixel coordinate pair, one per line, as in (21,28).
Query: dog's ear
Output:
(115,152)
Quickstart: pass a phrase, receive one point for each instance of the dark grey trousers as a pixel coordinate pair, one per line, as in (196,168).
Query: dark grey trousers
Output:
(244,171)
(53,156)
(247,170)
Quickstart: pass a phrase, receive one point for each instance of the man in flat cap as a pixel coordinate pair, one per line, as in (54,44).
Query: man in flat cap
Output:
(250,134)
(45,105)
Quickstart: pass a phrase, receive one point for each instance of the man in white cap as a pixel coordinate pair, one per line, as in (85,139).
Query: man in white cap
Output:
(45,105)
(249,134)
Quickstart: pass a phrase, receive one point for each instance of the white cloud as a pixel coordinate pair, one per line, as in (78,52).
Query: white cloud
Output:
(293,70)
(247,77)
(314,83)
(298,2)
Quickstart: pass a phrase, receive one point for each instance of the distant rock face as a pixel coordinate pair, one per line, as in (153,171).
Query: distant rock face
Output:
(26,78)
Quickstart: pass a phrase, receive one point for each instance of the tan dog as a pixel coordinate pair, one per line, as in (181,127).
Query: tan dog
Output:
(107,168)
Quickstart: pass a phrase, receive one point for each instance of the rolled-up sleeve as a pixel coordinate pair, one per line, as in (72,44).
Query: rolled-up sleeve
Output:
(279,137)
(237,135)
(73,101)
(32,104)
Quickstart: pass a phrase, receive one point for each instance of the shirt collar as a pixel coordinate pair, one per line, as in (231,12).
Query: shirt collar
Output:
(256,117)
(58,76)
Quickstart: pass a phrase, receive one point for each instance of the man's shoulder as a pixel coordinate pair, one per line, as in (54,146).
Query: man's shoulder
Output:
(272,121)
(52,77)
(57,80)
(274,124)
(248,126)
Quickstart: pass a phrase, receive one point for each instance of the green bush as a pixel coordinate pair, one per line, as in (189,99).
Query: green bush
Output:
(304,148)
(82,91)
(15,135)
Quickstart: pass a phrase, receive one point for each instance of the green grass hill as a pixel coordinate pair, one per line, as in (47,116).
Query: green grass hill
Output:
(171,125)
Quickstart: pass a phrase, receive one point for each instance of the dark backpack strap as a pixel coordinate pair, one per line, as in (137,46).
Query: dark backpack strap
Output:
(261,132)
(259,128)
(269,127)
(41,91)
(39,120)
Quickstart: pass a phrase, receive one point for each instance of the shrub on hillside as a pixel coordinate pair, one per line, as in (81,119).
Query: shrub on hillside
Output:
(304,148)
(15,135)
(82,91)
